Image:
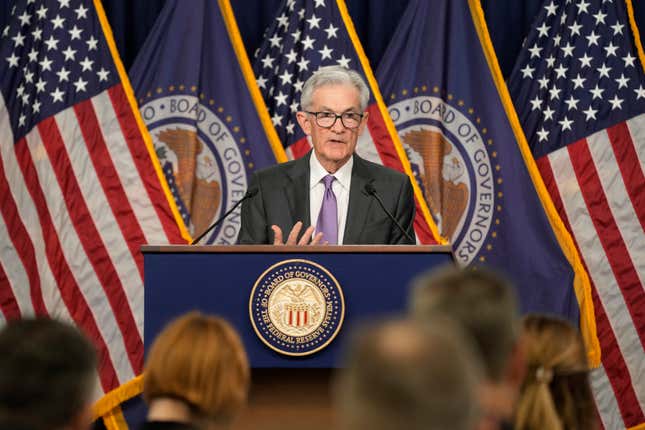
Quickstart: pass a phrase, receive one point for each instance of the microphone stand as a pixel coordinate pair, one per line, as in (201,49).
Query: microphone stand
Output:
(248,195)
(369,189)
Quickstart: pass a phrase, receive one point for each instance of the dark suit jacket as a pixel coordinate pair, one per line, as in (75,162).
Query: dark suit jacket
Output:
(283,200)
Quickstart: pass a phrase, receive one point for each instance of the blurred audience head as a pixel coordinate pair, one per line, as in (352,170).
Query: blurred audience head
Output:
(197,367)
(556,393)
(47,376)
(483,303)
(404,375)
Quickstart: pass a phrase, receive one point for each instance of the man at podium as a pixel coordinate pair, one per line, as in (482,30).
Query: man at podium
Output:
(338,197)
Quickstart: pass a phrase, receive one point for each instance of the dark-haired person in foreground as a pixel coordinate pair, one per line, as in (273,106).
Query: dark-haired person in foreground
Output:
(405,375)
(47,376)
(484,304)
(329,195)
(197,375)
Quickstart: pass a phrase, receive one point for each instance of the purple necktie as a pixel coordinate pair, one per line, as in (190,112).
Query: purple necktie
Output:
(328,216)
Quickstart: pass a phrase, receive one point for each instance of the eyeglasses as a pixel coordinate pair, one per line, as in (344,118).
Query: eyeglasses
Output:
(349,120)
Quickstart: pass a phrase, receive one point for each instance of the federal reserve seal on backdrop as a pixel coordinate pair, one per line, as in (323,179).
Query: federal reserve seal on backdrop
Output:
(455,164)
(296,307)
(203,155)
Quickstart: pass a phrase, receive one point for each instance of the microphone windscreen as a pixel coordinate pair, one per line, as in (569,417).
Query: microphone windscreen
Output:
(250,193)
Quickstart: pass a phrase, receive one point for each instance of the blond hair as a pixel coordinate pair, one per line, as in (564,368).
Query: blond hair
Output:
(201,361)
(556,393)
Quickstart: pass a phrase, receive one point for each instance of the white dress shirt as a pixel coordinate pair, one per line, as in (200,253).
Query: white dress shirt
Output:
(340,187)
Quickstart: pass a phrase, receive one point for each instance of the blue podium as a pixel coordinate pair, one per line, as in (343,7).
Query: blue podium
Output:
(220,279)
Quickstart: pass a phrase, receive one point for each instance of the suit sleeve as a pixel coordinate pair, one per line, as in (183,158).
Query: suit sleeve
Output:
(405,210)
(253,225)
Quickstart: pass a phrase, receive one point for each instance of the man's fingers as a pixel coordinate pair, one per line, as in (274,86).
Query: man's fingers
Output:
(306,236)
(318,238)
(295,231)
(277,235)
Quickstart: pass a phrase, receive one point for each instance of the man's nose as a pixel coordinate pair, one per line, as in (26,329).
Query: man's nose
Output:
(338,126)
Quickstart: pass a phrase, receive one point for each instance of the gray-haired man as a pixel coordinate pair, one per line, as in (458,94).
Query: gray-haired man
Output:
(331,191)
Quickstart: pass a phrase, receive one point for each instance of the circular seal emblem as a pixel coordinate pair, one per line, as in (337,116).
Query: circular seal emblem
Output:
(454,165)
(296,307)
(201,159)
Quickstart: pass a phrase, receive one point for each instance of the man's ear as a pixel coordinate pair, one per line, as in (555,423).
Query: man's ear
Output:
(304,121)
(363,123)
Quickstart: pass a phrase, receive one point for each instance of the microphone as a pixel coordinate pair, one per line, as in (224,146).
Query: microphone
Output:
(369,189)
(249,193)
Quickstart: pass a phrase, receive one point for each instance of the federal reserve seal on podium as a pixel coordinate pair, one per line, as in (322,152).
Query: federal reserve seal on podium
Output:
(296,307)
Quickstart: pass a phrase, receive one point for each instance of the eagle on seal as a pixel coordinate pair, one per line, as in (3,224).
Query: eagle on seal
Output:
(201,195)
(443,178)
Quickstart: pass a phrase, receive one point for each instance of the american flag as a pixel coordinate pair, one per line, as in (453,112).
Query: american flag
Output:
(309,34)
(580,91)
(79,188)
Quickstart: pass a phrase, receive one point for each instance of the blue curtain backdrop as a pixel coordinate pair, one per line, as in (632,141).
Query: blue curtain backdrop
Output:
(508,21)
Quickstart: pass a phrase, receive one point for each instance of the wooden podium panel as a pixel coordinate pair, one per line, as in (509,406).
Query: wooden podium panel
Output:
(286,399)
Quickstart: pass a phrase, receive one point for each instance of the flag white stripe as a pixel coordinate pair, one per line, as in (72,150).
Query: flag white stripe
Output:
(365,148)
(128,173)
(15,271)
(102,216)
(28,214)
(89,285)
(11,262)
(618,199)
(605,400)
(636,128)
(599,269)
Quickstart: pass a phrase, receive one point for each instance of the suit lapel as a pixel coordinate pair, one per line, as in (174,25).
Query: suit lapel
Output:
(297,190)
(359,201)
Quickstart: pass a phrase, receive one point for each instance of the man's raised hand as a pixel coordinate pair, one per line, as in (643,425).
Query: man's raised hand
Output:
(292,239)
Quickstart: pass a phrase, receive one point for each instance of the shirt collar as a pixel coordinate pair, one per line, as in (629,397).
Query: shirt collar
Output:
(317,172)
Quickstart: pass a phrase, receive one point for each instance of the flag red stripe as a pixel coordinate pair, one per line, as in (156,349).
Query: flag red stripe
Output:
(141,157)
(8,304)
(91,240)
(110,182)
(608,234)
(544,166)
(612,359)
(69,289)
(300,148)
(382,139)
(22,243)
(630,168)
(421,227)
